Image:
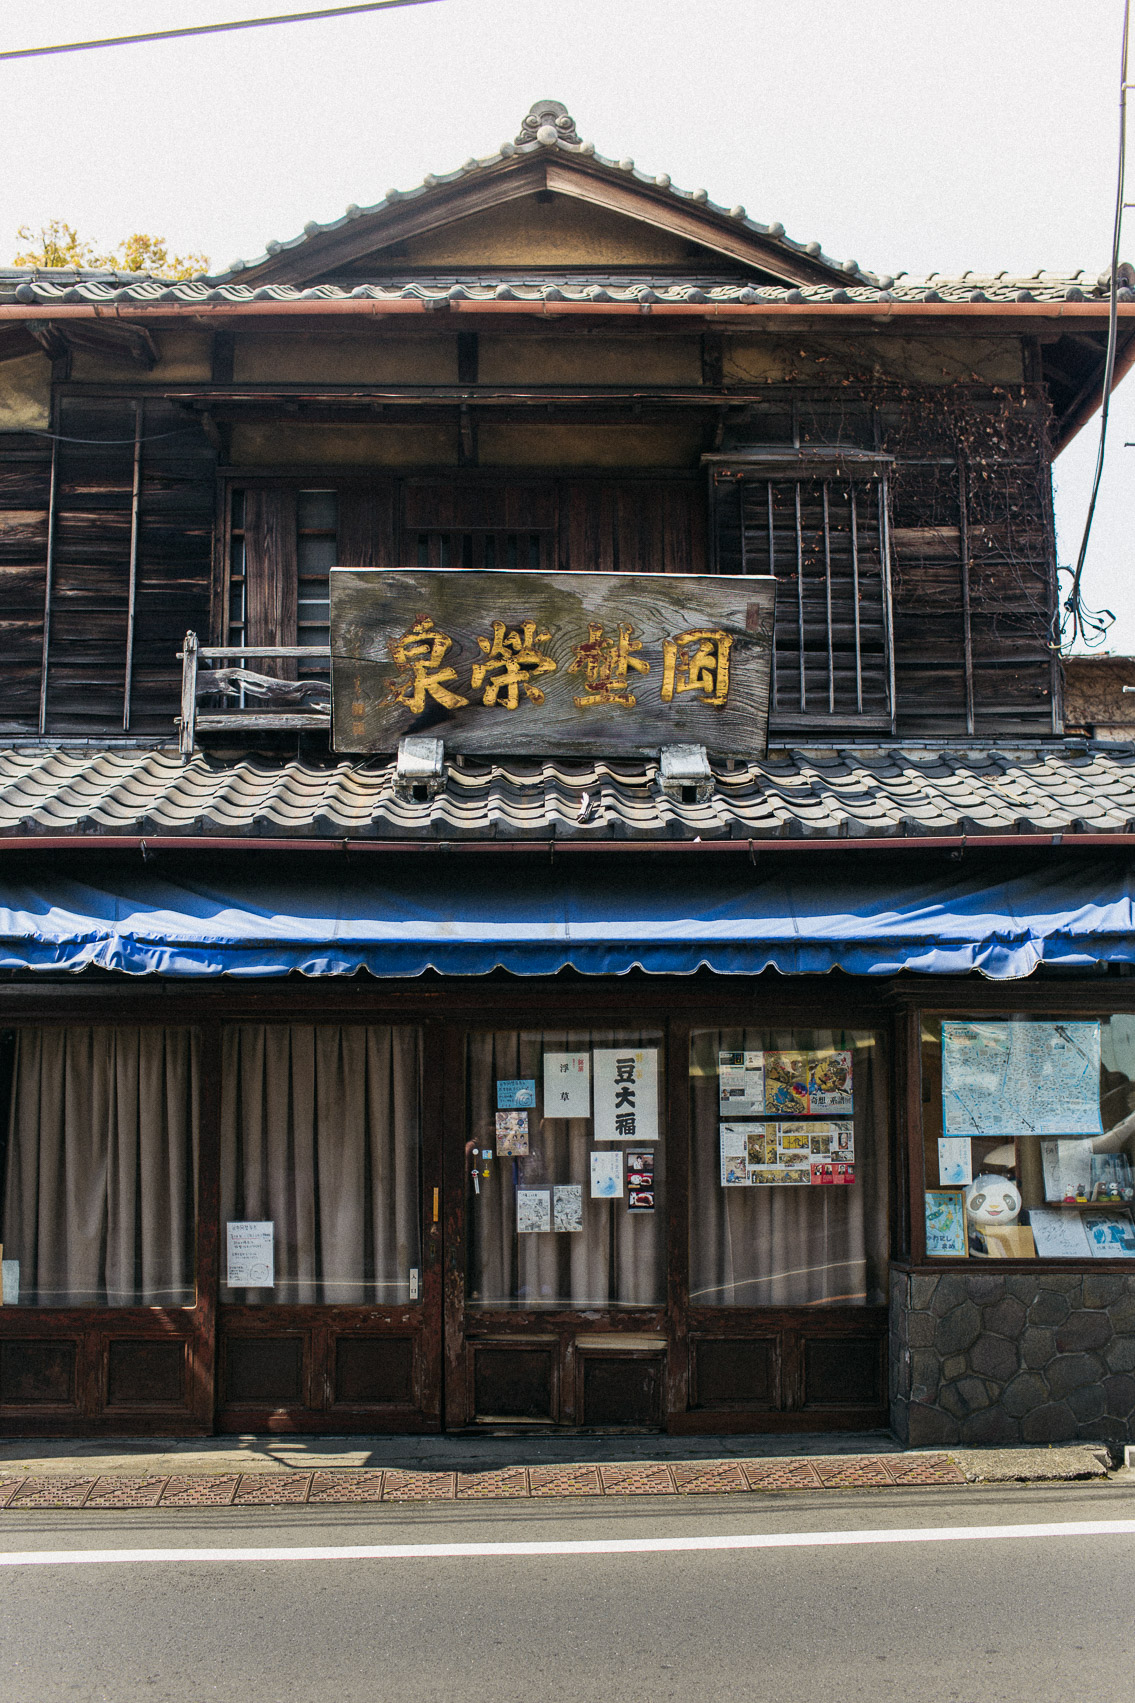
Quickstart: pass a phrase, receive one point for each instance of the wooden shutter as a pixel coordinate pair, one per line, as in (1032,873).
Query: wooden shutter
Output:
(270,570)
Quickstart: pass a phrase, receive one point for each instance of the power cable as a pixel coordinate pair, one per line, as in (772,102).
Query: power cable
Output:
(1091,625)
(212,29)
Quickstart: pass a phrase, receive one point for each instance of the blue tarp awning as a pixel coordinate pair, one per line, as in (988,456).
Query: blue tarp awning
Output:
(466,917)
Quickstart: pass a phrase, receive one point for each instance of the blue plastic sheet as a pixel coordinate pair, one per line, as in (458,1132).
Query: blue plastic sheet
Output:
(461,916)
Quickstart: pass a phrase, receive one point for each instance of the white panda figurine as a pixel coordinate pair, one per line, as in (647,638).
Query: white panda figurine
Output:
(991,1203)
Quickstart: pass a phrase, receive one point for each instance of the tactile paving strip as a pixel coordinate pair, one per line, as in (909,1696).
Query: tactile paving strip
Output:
(708,1478)
(565,1481)
(258,1488)
(126,1493)
(636,1480)
(192,1490)
(513,1481)
(782,1475)
(343,1486)
(852,1470)
(925,1469)
(60,1492)
(419,1486)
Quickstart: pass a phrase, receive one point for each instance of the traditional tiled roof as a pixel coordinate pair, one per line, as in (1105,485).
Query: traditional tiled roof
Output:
(840,793)
(63,287)
(549,130)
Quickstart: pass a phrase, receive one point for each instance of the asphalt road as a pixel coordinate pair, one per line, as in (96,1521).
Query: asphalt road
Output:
(990,1618)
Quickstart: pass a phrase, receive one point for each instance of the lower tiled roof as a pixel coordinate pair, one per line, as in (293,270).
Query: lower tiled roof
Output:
(831,793)
(47,289)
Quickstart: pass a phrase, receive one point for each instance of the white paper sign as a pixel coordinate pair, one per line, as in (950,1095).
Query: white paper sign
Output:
(10,1272)
(1058,1235)
(955,1160)
(567,1085)
(607,1175)
(252,1254)
(626,1094)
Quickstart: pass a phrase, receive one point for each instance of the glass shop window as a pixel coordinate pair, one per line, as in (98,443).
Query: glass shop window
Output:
(565,1169)
(788,1168)
(321,1164)
(98,1167)
(1029,1137)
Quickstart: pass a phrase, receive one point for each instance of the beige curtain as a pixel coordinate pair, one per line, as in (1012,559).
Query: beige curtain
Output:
(99,1202)
(788,1247)
(320,1133)
(619,1258)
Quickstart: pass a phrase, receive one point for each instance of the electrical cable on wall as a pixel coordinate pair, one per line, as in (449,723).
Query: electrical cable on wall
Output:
(1091,626)
(213,29)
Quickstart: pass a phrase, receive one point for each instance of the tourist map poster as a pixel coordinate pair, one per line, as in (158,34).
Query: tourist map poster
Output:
(1007,1078)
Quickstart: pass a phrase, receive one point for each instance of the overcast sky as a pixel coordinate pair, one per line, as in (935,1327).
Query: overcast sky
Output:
(928,135)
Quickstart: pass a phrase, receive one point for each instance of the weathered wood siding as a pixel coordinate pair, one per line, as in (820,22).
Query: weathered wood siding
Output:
(25,483)
(969,527)
(89,610)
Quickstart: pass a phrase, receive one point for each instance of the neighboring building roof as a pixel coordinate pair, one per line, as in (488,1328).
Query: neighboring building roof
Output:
(838,794)
(65,287)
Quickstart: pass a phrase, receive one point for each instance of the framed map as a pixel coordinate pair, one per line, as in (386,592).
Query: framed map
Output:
(1015,1078)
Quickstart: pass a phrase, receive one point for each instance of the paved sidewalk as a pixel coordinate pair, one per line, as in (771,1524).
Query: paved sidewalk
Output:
(252,1472)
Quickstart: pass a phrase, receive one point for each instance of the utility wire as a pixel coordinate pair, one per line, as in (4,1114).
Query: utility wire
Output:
(1080,622)
(212,29)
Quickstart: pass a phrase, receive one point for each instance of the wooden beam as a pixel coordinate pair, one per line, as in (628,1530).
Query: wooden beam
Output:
(133,342)
(662,211)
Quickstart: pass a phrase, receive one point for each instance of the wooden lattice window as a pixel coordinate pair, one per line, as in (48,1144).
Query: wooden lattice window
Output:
(821,531)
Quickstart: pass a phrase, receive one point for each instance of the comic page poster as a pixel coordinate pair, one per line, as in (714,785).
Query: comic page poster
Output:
(626,1093)
(567,1207)
(533,1211)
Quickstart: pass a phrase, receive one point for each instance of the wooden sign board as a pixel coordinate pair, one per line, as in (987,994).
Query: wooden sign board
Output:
(550,664)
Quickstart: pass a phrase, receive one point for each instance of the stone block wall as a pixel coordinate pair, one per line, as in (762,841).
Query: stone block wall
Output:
(981,1357)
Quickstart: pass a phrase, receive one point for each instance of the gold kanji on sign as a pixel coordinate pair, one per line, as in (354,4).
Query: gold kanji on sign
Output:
(417,654)
(605,663)
(704,669)
(511,662)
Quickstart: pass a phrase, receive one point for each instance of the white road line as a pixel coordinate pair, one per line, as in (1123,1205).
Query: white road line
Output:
(600,1546)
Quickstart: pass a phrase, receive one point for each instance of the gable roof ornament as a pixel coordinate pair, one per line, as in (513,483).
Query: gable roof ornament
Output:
(548,122)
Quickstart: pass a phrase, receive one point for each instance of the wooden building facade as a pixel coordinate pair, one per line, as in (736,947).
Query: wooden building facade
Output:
(550,362)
